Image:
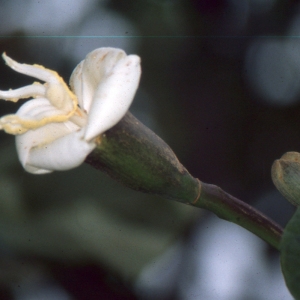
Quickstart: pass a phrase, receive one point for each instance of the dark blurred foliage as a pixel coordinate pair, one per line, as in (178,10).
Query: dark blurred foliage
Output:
(91,282)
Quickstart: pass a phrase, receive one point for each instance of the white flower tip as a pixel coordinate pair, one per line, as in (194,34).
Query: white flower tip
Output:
(4,56)
(9,61)
(135,60)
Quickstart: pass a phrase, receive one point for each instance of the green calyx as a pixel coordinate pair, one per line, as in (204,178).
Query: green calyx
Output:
(132,154)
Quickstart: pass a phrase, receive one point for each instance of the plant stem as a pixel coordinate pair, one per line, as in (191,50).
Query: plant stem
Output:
(135,156)
(234,210)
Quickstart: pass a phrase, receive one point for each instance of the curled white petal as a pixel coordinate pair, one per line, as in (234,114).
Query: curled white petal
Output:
(65,153)
(42,136)
(33,90)
(89,73)
(35,71)
(113,96)
(32,115)
(38,109)
(55,90)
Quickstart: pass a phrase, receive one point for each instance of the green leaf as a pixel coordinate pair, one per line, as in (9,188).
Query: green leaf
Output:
(290,255)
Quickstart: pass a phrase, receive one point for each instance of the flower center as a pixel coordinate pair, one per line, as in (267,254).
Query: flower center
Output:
(55,90)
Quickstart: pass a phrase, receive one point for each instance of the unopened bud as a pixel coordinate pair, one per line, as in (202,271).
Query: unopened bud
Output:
(286,176)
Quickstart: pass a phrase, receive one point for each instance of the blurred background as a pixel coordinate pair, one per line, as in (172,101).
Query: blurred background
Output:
(221,85)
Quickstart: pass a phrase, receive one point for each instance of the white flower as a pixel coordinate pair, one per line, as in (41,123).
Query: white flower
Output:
(57,129)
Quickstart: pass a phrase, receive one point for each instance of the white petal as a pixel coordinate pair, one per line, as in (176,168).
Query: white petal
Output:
(113,96)
(76,84)
(42,136)
(38,109)
(62,154)
(87,76)
(32,115)
(35,71)
(33,90)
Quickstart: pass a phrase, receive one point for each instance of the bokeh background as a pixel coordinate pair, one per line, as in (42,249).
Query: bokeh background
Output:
(221,85)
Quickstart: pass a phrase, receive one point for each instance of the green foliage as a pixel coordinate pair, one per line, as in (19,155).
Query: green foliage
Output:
(290,254)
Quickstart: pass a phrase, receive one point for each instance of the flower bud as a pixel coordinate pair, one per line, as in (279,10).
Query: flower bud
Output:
(286,176)
(132,154)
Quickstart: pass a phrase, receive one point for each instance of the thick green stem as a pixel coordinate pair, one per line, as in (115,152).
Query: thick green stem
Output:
(234,210)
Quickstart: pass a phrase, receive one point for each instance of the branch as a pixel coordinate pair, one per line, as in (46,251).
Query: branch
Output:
(234,210)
